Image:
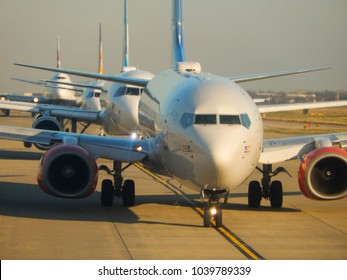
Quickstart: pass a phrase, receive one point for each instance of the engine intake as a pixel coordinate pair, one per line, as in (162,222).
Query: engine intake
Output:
(47,123)
(68,171)
(323,174)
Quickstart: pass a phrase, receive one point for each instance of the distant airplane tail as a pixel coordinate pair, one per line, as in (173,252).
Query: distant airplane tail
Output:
(100,71)
(126,37)
(58,53)
(178,52)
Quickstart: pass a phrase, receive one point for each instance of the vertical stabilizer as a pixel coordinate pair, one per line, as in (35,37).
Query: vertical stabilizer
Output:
(58,53)
(178,53)
(100,71)
(126,37)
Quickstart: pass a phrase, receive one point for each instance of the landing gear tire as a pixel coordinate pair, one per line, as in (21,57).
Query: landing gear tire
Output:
(6,112)
(218,218)
(128,193)
(107,193)
(254,194)
(276,194)
(207,217)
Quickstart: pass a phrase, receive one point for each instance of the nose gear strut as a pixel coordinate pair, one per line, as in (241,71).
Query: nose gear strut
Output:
(214,209)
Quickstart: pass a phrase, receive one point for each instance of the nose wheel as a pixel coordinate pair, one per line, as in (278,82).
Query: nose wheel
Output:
(213,212)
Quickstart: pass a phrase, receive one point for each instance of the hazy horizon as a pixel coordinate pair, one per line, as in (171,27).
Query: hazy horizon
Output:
(227,37)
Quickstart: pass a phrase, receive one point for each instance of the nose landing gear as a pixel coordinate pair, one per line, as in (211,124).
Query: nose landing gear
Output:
(214,209)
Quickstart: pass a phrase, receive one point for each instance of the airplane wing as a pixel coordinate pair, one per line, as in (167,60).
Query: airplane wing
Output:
(283,149)
(80,85)
(111,78)
(300,106)
(54,110)
(120,149)
(24,98)
(255,77)
(46,84)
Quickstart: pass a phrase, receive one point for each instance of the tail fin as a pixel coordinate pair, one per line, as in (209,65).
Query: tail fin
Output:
(178,53)
(58,53)
(126,37)
(100,71)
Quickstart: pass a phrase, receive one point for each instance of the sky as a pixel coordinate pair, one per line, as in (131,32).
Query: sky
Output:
(228,38)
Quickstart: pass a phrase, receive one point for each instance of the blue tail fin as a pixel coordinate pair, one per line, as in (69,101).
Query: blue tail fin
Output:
(178,53)
(126,37)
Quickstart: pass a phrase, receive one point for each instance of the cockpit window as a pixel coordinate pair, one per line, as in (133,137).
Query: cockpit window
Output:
(127,91)
(205,119)
(245,121)
(187,120)
(229,119)
(120,91)
(133,91)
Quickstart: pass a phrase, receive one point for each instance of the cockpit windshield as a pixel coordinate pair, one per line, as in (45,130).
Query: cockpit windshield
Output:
(229,119)
(205,119)
(212,119)
(128,91)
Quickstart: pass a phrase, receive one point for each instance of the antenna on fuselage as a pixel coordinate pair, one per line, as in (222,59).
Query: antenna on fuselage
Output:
(178,52)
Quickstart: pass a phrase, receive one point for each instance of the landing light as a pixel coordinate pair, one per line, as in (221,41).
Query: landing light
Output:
(134,136)
(213,211)
(36,100)
(138,148)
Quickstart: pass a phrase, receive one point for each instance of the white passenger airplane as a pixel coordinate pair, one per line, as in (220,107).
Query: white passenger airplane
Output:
(62,91)
(206,132)
(122,103)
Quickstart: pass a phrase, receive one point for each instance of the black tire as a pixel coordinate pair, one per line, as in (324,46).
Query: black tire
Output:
(276,194)
(107,193)
(218,217)
(254,194)
(128,193)
(7,113)
(207,217)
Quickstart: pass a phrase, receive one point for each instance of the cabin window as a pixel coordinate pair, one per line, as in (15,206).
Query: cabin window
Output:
(229,119)
(205,119)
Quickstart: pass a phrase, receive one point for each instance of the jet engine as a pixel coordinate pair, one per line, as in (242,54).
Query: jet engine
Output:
(67,171)
(47,123)
(323,174)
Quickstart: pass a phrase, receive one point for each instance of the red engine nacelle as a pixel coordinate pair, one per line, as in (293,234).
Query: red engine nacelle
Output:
(323,174)
(68,171)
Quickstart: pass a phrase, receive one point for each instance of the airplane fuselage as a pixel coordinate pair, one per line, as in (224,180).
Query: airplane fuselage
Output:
(209,130)
(61,95)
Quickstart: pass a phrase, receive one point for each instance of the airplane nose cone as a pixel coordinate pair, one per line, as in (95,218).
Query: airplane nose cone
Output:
(224,161)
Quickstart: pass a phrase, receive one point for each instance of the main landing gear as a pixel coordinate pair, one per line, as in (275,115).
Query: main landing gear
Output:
(118,188)
(268,190)
(214,210)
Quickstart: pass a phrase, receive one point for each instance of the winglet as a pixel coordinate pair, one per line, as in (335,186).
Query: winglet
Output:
(58,53)
(178,53)
(100,51)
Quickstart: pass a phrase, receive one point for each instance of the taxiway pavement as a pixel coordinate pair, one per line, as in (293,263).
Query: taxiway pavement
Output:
(162,225)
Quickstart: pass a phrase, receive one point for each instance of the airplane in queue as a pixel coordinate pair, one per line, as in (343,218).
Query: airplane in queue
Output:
(59,93)
(206,132)
(120,115)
